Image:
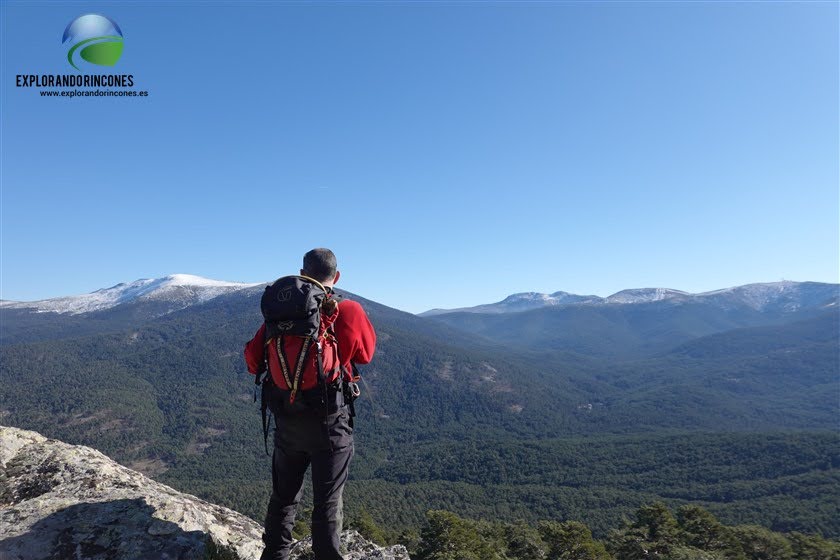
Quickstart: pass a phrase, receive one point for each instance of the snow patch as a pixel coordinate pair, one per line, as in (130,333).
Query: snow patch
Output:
(181,290)
(644,295)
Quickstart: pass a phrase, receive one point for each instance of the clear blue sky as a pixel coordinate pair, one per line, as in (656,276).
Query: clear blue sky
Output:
(449,153)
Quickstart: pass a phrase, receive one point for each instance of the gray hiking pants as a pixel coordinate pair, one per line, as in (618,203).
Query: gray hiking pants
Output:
(301,440)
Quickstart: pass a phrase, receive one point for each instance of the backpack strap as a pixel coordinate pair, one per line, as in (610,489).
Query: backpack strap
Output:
(304,351)
(292,380)
(322,381)
(263,383)
(260,377)
(310,279)
(266,415)
(284,361)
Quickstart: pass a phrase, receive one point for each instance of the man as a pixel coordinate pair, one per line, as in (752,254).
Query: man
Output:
(307,432)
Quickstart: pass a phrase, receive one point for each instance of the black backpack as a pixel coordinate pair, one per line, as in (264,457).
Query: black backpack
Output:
(291,307)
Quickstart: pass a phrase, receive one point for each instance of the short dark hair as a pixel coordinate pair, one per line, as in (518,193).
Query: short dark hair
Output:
(320,264)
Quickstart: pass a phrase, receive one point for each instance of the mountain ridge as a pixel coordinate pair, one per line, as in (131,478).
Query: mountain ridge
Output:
(758,296)
(178,291)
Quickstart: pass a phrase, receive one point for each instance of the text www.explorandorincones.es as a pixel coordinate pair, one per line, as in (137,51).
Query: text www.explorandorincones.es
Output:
(94,93)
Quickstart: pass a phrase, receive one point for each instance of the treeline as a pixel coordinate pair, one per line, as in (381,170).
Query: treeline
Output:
(785,482)
(448,424)
(691,533)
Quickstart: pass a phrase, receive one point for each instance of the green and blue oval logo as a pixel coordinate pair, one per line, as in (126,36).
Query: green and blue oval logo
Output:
(94,38)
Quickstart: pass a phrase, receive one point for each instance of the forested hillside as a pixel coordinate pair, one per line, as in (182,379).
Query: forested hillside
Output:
(740,422)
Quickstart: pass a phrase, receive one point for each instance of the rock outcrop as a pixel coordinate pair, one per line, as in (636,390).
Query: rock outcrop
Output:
(62,501)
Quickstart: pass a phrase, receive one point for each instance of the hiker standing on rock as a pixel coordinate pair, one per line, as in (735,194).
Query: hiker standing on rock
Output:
(308,345)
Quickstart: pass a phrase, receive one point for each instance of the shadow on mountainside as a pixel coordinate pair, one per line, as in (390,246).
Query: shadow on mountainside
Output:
(113,530)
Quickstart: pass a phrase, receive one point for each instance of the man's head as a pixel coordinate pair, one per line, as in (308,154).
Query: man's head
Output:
(320,264)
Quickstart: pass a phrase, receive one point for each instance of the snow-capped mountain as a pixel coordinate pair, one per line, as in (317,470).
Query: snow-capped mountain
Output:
(177,290)
(776,296)
(785,296)
(645,295)
(520,302)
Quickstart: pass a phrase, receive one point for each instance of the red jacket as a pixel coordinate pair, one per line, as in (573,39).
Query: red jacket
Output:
(356,343)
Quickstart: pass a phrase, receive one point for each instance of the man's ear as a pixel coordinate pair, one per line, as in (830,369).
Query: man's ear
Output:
(337,275)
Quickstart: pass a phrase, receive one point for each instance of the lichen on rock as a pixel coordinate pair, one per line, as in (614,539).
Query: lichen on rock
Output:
(69,501)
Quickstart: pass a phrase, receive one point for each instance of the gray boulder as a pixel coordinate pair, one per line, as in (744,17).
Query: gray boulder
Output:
(62,501)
